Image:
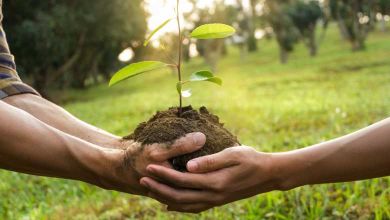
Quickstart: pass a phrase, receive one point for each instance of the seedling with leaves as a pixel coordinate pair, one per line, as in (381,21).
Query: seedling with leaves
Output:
(207,31)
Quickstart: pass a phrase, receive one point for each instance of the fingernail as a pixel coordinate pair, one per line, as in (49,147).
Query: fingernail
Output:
(192,165)
(150,169)
(198,138)
(145,184)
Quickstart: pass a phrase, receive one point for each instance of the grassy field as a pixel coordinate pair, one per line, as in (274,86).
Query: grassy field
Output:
(270,106)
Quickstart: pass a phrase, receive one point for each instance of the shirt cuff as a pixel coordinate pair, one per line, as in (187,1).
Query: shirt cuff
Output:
(16,88)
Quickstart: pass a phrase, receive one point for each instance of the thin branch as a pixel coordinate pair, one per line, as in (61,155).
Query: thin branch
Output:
(180,52)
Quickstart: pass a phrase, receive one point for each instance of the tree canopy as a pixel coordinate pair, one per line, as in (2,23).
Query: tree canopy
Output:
(62,42)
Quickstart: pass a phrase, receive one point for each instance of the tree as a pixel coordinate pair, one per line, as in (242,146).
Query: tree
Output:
(247,24)
(69,41)
(354,18)
(211,50)
(383,7)
(305,16)
(275,13)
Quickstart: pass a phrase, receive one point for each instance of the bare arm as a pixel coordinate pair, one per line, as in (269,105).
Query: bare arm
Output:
(59,118)
(361,155)
(241,172)
(30,146)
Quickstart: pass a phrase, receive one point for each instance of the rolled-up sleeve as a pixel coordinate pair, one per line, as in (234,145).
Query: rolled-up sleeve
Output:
(10,82)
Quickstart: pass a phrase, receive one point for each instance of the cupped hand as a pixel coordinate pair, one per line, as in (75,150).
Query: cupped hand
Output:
(233,174)
(127,165)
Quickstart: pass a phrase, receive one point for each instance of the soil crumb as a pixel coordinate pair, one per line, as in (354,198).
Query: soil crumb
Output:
(167,126)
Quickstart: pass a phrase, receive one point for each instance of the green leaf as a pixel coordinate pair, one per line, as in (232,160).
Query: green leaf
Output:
(179,87)
(213,31)
(205,75)
(155,31)
(135,69)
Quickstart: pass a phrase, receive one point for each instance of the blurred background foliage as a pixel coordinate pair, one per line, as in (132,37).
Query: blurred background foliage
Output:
(298,72)
(65,43)
(68,43)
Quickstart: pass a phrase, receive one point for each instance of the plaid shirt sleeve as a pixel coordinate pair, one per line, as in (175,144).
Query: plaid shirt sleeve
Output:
(10,83)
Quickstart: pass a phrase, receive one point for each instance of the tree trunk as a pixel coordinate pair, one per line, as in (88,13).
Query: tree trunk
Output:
(312,41)
(95,69)
(382,24)
(359,30)
(283,55)
(186,52)
(243,51)
(252,42)
(342,27)
(213,49)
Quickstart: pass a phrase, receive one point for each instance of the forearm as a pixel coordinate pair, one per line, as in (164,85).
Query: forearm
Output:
(30,146)
(57,117)
(361,155)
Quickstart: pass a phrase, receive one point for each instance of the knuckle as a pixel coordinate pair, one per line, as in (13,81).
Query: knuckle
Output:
(179,143)
(181,181)
(148,151)
(247,149)
(183,149)
(155,156)
(218,186)
(238,153)
(178,198)
(208,163)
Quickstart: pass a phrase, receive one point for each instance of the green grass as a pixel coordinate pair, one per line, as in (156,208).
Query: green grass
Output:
(271,106)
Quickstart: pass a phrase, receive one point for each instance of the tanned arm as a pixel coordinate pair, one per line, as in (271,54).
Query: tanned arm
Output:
(30,146)
(59,118)
(241,172)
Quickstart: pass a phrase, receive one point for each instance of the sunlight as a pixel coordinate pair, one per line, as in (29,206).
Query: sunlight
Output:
(126,55)
(161,10)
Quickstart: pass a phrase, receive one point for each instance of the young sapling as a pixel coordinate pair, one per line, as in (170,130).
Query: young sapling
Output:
(167,126)
(207,31)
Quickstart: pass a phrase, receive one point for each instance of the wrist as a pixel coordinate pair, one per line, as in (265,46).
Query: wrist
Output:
(116,173)
(95,164)
(285,170)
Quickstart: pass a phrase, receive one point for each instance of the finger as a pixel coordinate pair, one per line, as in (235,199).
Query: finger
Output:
(160,199)
(171,195)
(184,180)
(190,208)
(188,144)
(210,163)
(180,207)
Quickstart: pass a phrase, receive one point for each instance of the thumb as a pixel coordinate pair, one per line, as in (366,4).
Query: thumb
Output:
(211,163)
(187,144)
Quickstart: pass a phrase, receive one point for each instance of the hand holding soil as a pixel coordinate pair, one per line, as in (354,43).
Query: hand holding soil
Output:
(139,156)
(167,126)
(241,172)
(128,164)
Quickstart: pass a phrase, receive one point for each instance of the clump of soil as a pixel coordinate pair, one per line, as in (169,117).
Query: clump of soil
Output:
(167,126)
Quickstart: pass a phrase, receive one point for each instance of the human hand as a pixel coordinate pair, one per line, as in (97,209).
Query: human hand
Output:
(233,174)
(125,166)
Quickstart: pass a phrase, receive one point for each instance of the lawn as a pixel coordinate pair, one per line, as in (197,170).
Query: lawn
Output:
(269,106)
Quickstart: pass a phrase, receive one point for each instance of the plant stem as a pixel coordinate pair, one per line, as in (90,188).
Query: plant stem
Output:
(180,53)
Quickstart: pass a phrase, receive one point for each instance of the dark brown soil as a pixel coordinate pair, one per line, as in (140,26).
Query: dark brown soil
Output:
(167,126)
